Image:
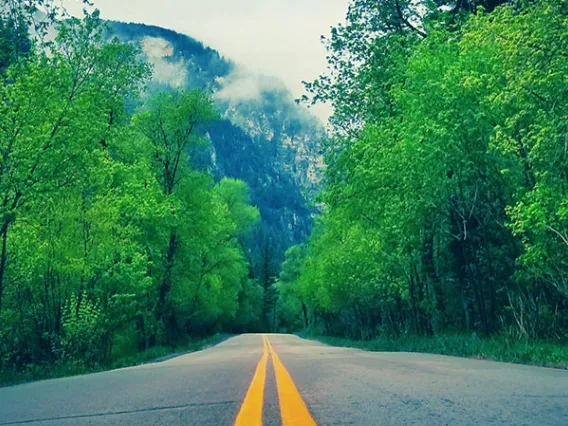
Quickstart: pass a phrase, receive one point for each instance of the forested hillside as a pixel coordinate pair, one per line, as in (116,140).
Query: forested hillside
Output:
(262,138)
(446,191)
(124,225)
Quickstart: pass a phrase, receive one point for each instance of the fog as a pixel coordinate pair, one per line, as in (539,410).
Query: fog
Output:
(278,38)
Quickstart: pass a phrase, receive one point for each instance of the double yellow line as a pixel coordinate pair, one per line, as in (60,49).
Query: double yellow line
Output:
(293,409)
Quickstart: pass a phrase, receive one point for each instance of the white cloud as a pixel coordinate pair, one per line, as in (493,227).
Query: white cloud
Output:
(241,85)
(158,50)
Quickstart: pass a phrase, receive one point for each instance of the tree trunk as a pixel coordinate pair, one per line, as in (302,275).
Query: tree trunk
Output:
(167,280)
(305,312)
(413,303)
(3,256)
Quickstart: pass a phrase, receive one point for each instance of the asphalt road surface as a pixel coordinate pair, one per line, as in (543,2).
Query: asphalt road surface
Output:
(251,380)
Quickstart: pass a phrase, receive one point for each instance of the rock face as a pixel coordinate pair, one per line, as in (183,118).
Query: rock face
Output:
(264,138)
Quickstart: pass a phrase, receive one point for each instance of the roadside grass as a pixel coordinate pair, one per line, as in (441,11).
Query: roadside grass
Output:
(68,369)
(540,353)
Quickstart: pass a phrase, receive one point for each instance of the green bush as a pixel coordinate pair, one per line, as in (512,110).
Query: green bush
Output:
(498,348)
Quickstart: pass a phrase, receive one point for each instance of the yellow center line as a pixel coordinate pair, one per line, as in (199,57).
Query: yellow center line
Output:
(293,409)
(250,413)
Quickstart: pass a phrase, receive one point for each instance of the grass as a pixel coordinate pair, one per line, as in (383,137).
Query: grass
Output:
(162,353)
(546,354)
(155,354)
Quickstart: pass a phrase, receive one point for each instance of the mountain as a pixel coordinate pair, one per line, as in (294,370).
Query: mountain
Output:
(264,138)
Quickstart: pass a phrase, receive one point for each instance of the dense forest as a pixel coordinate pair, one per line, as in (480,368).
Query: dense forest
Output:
(446,192)
(145,202)
(111,242)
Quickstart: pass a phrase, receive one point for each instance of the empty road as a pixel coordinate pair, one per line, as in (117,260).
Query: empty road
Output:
(251,380)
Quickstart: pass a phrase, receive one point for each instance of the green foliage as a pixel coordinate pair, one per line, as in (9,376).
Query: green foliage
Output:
(292,313)
(120,360)
(497,348)
(110,242)
(83,332)
(445,203)
(257,141)
(249,313)
(235,195)
(198,265)
(365,54)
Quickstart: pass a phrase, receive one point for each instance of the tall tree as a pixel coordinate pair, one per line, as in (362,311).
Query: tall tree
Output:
(444,207)
(171,124)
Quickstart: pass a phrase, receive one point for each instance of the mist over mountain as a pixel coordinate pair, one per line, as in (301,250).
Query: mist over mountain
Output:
(263,138)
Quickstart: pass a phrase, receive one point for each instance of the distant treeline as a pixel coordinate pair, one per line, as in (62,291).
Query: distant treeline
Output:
(446,197)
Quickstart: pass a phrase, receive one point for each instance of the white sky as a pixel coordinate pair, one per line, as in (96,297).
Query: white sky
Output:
(274,37)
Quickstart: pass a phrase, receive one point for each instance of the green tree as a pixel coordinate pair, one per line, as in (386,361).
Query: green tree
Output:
(63,115)
(49,131)
(445,205)
(111,242)
(292,310)
(171,126)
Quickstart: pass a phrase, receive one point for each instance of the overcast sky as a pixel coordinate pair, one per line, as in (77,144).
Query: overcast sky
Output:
(273,37)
